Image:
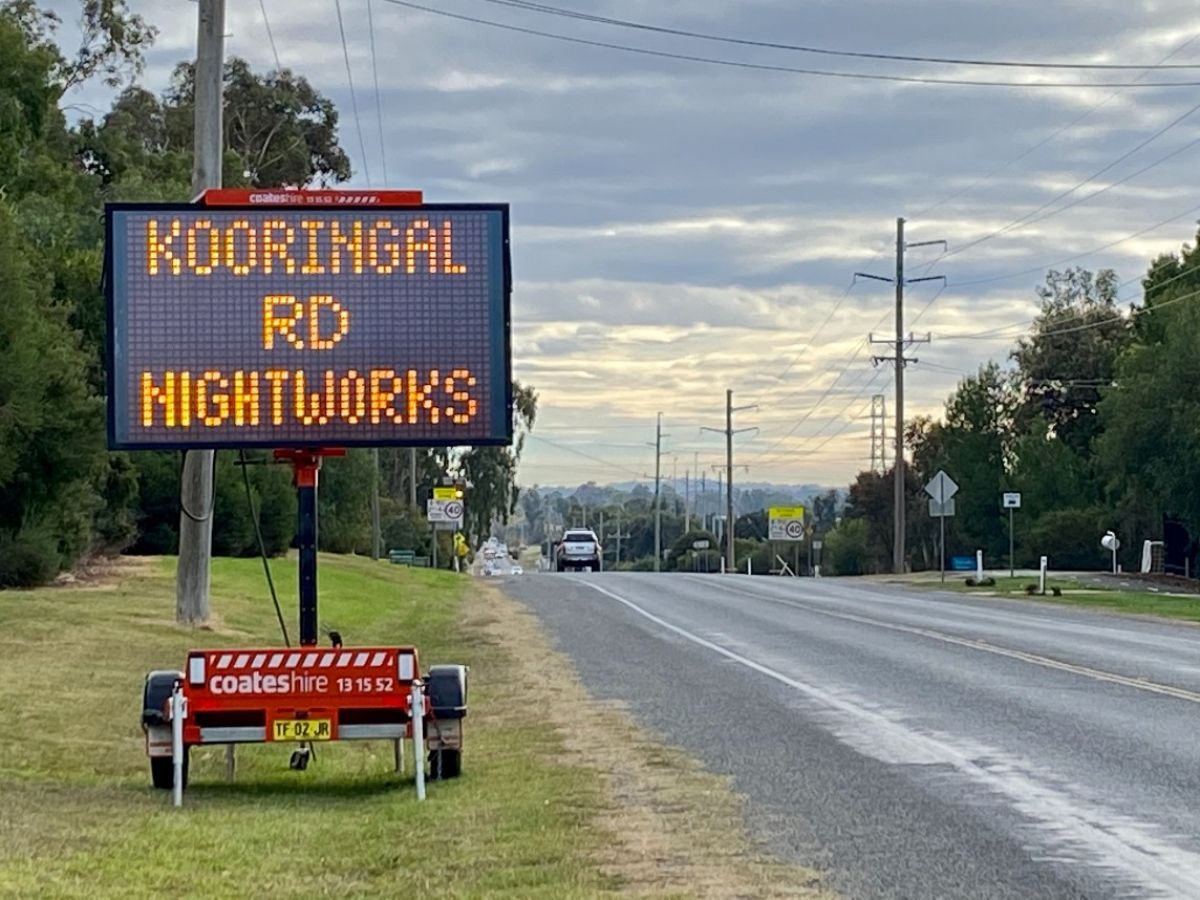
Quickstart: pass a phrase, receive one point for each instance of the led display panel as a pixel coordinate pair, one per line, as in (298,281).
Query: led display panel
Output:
(308,327)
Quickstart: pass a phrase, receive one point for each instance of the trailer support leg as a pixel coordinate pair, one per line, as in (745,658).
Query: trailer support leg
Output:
(399,747)
(230,762)
(178,714)
(418,735)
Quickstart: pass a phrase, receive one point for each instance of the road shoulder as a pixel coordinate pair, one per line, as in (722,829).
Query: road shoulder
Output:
(671,827)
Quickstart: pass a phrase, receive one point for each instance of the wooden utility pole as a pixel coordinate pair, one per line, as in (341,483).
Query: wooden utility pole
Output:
(898,516)
(728,431)
(898,345)
(658,436)
(412,476)
(196,494)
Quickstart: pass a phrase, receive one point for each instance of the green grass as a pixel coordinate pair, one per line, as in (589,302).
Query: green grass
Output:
(1146,603)
(78,816)
(956,581)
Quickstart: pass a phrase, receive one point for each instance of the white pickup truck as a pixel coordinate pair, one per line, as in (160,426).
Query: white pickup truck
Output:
(579,549)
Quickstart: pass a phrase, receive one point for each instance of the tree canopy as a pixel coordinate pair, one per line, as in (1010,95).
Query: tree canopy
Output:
(62,496)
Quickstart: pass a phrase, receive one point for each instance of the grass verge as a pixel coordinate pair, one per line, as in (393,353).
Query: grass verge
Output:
(1185,607)
(539,812)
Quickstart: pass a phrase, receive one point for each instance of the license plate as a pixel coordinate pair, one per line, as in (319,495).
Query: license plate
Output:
(302,730)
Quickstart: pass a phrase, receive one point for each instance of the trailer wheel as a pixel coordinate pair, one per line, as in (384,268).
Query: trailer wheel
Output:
(162,771)
(445,764)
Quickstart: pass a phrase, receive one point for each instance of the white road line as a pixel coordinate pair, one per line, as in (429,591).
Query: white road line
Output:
(1036,659)
(1109,840)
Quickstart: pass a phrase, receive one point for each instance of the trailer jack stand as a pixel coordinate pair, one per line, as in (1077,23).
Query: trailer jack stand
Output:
(299,760)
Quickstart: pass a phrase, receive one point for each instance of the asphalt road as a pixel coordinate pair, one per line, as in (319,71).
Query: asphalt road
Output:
(912,745)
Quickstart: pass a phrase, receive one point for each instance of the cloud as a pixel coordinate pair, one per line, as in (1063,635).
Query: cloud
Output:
(682,229)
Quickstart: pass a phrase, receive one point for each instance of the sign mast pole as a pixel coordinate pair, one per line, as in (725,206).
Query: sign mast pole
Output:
(942,527)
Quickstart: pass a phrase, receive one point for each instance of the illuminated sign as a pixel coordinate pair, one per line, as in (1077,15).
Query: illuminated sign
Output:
(278,326)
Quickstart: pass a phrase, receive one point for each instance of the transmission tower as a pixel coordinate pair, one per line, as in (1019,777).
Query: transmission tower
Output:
(879,434)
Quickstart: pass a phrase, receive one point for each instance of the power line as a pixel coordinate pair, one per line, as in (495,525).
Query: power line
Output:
(1054,134)
(795,70)
(362,145)
(774,451)
(855,352)
(781,460)
(823,51)
(821,328)
(596,459)
(997,332)
(378,96)
(1140,311)
(1051,136)
(1068,259)
(1028,218)
(839,432)
(270,36)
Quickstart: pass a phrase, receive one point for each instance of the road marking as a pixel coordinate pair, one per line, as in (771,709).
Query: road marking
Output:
(1110,840)
(1036,659)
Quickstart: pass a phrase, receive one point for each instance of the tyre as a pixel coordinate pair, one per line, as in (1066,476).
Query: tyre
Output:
(162,771)
(562,566)
(445,764)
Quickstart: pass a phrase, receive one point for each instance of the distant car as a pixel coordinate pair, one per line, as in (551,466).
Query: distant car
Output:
(516,569)
(579,549)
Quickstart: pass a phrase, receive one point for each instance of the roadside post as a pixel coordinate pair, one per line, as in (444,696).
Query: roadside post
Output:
(941,489)
(1042,574)
(978,565)
(1011,501)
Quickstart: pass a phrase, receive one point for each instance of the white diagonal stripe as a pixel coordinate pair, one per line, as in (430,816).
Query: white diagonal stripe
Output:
(223,662)
(380,658)
(242,659)
(275,661)
(344,660)
(258,661)
(327,660)
(292,660)
(310,660)
(361,659)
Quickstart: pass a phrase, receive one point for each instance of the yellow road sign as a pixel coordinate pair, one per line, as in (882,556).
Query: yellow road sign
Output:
(444,493)
(786,512)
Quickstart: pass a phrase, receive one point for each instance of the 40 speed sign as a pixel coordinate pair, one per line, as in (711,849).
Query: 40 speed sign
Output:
(785,523)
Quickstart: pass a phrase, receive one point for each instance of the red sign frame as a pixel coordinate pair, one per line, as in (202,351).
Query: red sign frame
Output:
(321,197)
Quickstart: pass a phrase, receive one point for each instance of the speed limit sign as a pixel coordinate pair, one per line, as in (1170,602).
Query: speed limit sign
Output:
(785,523)
(445,512)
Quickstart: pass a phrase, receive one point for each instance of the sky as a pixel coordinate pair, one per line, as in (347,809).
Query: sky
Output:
(683,228)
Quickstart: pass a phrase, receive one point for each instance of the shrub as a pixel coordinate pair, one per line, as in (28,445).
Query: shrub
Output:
(988,582)
(970,582)
(1031,589)
(1056,591)
(27,561)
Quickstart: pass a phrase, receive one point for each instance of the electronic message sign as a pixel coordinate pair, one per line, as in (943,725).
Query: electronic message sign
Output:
(278,326)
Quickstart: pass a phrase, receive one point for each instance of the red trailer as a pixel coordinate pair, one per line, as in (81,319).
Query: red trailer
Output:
(308,694)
